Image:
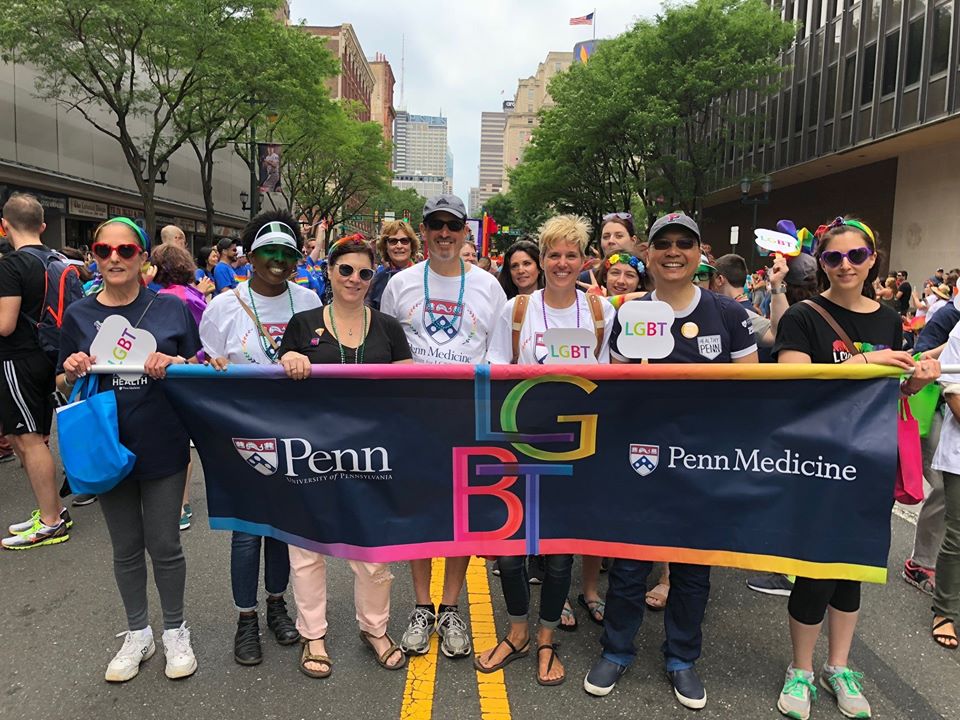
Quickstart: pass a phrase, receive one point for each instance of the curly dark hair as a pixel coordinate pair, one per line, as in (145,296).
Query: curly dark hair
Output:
(174,265)
(251,229)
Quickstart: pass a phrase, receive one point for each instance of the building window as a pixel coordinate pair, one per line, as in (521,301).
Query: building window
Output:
(914,50)
(830,104)
(869,70)
(798,109)
(785,116)
(891,53)
(814,101)
(940,52)
(849,75)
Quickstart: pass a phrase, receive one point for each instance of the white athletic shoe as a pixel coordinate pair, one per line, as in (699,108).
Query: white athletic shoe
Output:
(138,646)
(181,662)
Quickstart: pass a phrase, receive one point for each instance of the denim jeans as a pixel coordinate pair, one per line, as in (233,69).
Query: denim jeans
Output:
(682,618)
(553,593)
(245,568)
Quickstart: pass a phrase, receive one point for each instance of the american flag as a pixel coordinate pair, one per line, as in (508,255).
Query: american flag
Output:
(582,20)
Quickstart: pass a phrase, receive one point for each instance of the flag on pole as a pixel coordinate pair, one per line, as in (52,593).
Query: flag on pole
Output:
(582,20)
(487,228)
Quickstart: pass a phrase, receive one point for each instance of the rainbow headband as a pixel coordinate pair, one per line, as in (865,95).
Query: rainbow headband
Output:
(840,222)
(141,235)
(626,259)
(356,237)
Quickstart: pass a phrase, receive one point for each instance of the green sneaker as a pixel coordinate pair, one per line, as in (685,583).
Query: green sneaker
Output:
(38,535)
(798,694)
(26,525)
(185,515)
(844,684)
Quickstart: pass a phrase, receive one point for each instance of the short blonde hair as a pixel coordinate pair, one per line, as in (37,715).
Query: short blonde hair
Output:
(564,228)
(390,229)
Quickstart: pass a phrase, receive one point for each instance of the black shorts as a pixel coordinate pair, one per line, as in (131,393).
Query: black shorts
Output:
(26,395)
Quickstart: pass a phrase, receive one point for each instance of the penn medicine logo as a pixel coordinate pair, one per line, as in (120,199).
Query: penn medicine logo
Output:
(300,458)
(442,318)
(644,458)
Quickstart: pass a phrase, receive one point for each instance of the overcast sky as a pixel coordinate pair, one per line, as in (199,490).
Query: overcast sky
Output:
(461,55)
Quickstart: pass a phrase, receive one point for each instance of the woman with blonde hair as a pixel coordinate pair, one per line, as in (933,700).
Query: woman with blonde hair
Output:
(397,247)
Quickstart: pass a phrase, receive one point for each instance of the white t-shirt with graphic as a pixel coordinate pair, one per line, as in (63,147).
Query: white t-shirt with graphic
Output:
(442,333)
(532,351)
(226,330)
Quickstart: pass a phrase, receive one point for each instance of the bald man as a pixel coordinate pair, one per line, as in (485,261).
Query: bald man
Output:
(173,235)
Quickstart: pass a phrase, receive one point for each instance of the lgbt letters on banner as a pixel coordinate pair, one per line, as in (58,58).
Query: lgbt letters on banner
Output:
(734,465)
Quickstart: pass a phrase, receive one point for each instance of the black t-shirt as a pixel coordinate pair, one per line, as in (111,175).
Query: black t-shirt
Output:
(802,329)
(308,334)
(148,425)
(24,275)
(903,304)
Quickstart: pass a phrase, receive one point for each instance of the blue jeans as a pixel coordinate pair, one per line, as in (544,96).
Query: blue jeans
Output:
(682,618)
(553,593)
(245,568)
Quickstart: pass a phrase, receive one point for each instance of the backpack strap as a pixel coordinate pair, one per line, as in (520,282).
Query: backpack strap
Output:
(519,313)
(835,326)
(596,311)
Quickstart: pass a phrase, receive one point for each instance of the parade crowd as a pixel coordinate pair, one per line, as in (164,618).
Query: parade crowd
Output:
(277,297)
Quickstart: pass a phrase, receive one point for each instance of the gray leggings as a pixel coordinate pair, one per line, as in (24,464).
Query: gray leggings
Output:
(144,515)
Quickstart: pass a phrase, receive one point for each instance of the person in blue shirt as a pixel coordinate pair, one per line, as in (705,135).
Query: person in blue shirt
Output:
(223,272)
(708,328)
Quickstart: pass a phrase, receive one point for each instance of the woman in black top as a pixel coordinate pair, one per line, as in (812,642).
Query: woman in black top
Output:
(846,268)
(344,331)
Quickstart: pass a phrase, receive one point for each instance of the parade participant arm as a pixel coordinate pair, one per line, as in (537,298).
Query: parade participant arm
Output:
(75,366)
(295,365)
(951,393)
(778,297)
(206,286)
(9,312)
(157,363)
(321,237)
(933,354)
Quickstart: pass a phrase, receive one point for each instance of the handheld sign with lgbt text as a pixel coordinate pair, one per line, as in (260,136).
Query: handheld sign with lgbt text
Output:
(646,330)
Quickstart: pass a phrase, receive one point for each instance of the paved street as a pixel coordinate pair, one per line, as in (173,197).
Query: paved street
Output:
(61,611)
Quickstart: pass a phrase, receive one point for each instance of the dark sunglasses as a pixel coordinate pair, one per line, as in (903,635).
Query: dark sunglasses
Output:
(125,251)
(366,274)
(437,224)
(401,240)
(681,243)
(276,253)
(834,258)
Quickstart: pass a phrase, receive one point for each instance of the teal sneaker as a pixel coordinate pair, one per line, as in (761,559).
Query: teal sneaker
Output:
(185,515)
(798,694)
(844,684)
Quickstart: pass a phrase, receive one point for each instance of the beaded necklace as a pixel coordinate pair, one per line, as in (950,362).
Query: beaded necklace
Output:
(264,343)
(426,291)
(543,307)
(358,353)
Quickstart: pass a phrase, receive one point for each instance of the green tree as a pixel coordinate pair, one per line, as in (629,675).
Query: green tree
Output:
(403,203)
(260,71)
(127,66)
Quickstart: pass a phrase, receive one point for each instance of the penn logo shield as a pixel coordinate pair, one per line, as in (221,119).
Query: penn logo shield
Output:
(644,458)
(441,318)
(260,454)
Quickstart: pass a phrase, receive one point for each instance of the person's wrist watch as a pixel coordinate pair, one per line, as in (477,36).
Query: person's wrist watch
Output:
(778,290)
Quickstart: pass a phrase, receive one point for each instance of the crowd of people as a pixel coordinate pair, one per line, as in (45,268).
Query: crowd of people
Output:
(424,297)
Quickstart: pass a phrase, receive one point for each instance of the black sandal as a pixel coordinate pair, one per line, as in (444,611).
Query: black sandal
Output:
(939,638)
(553,656)
(514,654)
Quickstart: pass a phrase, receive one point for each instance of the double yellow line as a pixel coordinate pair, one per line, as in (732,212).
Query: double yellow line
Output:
(422,670)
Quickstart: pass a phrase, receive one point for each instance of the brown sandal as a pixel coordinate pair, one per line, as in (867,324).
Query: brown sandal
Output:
(307,656)
(385,655)
(553,656)
(949,642)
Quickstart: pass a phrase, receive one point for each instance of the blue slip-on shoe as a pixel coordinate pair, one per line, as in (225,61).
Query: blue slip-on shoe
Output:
(688,688)
(603,677)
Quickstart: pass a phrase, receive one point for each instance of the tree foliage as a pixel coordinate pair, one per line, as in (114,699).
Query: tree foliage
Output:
(647,117)
(403,203)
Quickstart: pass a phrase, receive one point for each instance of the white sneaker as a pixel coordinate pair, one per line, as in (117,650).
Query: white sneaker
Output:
(181,662)
(138,646)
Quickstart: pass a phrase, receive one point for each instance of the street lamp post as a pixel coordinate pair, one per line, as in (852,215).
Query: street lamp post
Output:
(766,185)
(254,184)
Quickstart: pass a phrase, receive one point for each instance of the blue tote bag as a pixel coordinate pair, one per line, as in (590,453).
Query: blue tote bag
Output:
(93,457)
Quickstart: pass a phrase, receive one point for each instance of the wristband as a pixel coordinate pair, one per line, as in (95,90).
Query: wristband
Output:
(778,290)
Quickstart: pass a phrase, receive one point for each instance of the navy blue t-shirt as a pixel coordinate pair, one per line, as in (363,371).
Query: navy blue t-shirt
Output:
(713,329)
(148,425)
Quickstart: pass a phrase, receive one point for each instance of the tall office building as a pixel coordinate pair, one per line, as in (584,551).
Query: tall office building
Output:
(381,100)
(492,127)
(356,79)
(531,97)
(421,156)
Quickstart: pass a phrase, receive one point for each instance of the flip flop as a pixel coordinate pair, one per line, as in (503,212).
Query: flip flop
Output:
(386,654)
(593,608)
(656,598)
(553,656)
(939,638)
(567,612)
(307,656)
(514,654)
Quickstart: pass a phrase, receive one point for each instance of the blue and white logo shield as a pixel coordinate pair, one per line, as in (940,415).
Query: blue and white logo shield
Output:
(441,319)
(259,453)
(644,458)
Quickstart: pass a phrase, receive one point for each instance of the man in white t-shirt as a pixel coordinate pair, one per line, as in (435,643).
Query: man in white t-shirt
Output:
(448,310)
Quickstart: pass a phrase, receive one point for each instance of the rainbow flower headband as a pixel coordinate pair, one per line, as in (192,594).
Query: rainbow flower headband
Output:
(840,222)
(626,259)
(356,237)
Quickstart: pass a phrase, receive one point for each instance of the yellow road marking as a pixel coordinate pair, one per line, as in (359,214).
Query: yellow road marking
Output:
(494,704)
(422,669)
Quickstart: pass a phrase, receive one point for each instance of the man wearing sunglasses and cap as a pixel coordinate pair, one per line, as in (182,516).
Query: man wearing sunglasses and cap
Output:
(448,309)
(708,328)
